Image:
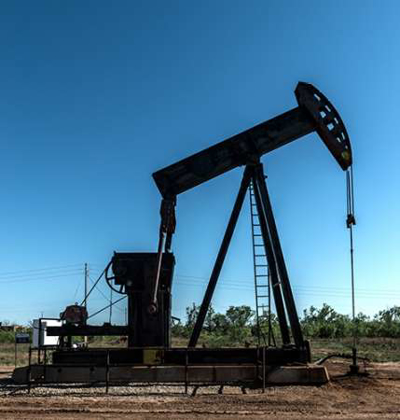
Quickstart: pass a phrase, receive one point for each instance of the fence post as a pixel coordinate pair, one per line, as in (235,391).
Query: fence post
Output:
(29,369)
(15,353)
(186,371)
(263,367)
(107,370)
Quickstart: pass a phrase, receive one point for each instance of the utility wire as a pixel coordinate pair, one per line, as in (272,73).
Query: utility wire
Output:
(47,277)
(248,282)
(27,271)
(327,291)
(38,275)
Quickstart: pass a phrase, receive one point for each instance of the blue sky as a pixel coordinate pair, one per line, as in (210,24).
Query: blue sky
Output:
(96,95)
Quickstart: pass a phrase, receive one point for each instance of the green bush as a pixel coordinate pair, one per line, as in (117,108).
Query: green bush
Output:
(238,326)
(7,337)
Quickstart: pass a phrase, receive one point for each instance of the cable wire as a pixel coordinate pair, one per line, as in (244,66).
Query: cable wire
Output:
(99,290)
(47,277)
(350,222)
(94,285)
(34,270)
(106,307)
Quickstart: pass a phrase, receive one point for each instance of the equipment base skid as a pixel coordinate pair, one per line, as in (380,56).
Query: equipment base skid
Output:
(247,367)
(243,375)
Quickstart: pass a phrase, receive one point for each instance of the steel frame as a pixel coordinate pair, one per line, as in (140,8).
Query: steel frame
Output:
(251,368)
(283,296)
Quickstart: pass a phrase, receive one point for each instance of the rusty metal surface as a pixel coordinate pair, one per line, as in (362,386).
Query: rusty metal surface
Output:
(153,374)
(210,375)
(180,356)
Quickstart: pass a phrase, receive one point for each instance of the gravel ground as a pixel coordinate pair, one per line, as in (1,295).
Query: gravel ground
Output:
(375,396)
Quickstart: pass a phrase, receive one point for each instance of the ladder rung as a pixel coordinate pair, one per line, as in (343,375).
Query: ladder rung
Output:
(262,310)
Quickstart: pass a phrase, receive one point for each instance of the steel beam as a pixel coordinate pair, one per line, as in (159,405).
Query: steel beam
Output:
(272,263)
(220,257)
(314,113)
(233,152)
(201,375)
(179,356)
(87,330)
(276,245)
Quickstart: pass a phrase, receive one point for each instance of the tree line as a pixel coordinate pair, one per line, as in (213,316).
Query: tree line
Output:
(238,325)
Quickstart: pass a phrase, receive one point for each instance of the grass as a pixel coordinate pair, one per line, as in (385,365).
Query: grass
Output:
(7,354)
(374,349)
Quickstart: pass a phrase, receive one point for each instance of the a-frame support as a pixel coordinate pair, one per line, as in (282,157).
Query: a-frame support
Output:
(281,289)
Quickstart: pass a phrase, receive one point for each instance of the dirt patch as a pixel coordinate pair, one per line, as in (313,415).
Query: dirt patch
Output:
(365,397)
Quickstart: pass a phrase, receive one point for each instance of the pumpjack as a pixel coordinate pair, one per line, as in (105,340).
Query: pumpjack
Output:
(146,278)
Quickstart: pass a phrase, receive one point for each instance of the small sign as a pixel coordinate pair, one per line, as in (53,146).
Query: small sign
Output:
(22,338)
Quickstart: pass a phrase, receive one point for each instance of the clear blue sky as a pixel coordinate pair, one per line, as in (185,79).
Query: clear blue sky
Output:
(96,95)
